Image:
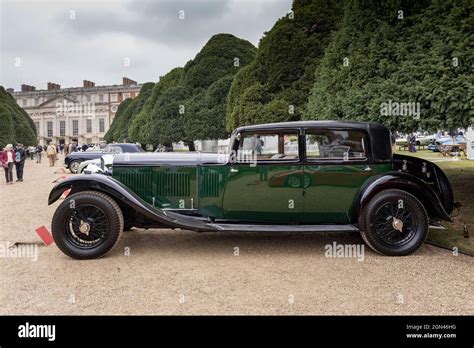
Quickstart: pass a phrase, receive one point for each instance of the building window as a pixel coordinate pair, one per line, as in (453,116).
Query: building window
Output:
(62,128)
(88,98)
(89,125)
(37,125)
(37,101)
(49,129)
(75,127)
(101,125)
(101,97)
(113,97)
(126,96)
(25,102)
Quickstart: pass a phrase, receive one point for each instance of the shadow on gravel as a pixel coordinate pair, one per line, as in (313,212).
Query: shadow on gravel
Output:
(183,242)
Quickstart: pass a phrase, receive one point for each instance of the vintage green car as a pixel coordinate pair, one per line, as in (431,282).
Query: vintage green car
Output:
(294,176)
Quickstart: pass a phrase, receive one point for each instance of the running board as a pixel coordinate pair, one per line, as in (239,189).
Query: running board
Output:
(283,228)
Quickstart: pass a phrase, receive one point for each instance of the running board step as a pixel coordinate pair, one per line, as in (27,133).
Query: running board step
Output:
(283,228)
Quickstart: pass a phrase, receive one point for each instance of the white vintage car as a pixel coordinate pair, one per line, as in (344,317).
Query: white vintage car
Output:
(95,166)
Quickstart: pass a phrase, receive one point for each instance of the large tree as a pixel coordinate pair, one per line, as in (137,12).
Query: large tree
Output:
(415,53)
(189,103)
(16,126)
(274,87)
(140,129)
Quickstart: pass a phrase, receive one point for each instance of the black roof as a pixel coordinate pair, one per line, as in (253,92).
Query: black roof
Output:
(380,140)
(316,124)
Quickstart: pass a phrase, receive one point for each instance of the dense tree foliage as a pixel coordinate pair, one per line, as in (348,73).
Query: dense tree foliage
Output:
(408,53)
(275,86)
(326,59)
(141,126)
(16,126)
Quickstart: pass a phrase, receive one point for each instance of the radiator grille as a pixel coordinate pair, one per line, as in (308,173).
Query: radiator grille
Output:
(140,183)
(173,184)
(210,185)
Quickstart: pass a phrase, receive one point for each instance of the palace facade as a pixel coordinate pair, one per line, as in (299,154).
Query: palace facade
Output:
(81,114)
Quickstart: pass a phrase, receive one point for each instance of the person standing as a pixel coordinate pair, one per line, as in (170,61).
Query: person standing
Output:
(8,159)
(39,150)
(413,143)
(51,153)
(20,157)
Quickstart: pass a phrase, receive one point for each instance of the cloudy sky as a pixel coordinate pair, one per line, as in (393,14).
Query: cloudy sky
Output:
(102,40)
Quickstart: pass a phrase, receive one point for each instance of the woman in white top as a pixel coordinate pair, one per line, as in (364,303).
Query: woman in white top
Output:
(8,159)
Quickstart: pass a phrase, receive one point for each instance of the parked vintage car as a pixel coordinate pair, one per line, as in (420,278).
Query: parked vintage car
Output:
(341,176)
(73,160)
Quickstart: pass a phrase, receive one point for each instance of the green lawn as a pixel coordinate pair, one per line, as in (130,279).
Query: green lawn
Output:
(461,175)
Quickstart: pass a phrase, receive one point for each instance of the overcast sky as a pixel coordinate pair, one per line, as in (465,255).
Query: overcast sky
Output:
(69,41)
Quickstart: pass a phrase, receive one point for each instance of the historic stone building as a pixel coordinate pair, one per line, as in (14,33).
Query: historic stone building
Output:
(81,114)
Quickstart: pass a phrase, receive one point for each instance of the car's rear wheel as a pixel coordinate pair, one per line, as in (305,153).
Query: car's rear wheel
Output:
(394,223)
(74,166)
(87,225)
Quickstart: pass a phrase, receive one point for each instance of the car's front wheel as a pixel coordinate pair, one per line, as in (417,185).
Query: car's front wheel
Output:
(74,166)
(394,223)
(86,225)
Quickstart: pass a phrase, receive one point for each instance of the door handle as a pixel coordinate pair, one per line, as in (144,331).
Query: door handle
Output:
(368,169)
(233,170)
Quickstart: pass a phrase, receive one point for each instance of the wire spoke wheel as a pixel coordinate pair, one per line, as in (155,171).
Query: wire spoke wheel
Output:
(86,226)
(394,225)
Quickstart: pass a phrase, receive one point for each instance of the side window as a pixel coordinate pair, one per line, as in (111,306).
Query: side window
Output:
(335,145)
(268,146)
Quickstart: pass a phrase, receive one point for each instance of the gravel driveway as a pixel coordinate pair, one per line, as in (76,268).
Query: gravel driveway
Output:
(183,272)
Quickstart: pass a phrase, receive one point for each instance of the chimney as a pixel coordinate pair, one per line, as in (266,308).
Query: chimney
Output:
(88,84)
(52,86)
(27,88)
(128,82)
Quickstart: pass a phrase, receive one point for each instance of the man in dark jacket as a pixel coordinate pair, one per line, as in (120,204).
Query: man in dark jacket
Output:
(20,157)
(39,150)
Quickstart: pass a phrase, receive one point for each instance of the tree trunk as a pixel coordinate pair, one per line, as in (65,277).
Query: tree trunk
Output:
(191,145)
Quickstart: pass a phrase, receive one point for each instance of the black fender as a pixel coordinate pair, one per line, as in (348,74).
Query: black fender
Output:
(127,199)
(401,181)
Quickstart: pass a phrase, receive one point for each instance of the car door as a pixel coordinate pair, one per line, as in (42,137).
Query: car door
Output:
(264,180)
(336,166)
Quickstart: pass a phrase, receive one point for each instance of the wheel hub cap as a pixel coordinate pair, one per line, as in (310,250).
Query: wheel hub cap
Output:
(397,224)
(84,227)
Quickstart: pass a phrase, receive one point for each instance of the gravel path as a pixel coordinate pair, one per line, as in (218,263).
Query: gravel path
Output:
(182,272)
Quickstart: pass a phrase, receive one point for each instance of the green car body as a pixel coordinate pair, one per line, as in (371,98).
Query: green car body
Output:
(267,193)
(302,176)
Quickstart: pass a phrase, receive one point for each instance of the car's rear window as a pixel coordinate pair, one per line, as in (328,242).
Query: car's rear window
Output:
(342,145)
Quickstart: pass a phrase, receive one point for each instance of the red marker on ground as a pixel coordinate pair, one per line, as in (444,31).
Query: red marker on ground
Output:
(66,193)
(45,235)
